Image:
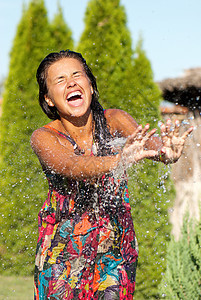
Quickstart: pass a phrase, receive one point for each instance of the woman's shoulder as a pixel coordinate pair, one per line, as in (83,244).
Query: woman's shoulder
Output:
(114,114)
(40,134)
(42,130)
(121,121)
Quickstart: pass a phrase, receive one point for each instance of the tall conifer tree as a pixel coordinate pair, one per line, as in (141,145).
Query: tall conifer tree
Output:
(61,35)
(106,44)
(144,94)
(150,187)
(127,83)
(22,185)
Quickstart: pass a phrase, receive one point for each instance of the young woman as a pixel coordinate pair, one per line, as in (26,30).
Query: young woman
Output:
(87,247)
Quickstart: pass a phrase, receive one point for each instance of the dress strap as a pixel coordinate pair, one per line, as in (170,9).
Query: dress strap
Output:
(76,148)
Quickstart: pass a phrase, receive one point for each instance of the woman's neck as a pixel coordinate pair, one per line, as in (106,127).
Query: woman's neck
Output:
(80,129)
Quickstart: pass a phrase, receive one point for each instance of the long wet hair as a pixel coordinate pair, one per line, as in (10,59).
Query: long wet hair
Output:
(102,133)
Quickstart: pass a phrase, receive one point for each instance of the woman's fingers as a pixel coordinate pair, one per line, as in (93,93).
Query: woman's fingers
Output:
(187,132)
(132,137)
(150,133)
(140,134)
(176,128)
(169,130)
(163,130)
(134,149)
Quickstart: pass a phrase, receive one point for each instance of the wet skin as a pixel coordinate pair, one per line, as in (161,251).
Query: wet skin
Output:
(70,90)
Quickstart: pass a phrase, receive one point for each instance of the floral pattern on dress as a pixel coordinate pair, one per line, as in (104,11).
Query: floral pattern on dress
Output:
(86,252)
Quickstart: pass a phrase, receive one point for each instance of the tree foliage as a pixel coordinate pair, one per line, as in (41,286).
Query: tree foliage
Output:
(126,81)
(144,94)
(106,44)
(151,190)
(22,186)
(182,279)
(61,35)
(150,198)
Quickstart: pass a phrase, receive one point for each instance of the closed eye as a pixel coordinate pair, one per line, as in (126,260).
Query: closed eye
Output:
(77,74)
(60,79)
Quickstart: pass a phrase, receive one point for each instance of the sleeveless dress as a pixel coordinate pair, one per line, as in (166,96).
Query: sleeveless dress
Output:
(86,247)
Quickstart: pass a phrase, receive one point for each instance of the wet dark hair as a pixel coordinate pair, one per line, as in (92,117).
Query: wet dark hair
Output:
(102,134)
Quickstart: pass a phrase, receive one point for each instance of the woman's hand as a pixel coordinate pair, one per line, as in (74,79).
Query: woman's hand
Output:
(173,143)
(135,148)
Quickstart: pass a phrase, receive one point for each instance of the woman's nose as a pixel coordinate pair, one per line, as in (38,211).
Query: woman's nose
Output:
(71,82)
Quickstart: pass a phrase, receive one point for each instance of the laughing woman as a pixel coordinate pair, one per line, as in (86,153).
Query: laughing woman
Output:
(87,247)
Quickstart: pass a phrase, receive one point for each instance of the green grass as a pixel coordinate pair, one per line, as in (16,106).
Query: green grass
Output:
(16,288)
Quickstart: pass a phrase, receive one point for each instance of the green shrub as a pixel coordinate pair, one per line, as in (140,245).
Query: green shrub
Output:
(182,279)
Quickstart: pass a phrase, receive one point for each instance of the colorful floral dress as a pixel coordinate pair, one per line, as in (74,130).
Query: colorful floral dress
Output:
(86,247)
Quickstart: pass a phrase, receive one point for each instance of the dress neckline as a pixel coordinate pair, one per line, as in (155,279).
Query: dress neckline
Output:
(77,149)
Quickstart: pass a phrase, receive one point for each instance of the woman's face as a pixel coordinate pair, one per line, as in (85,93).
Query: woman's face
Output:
(69,88)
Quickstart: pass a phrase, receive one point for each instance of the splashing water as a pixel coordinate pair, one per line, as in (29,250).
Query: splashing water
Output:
(117,142)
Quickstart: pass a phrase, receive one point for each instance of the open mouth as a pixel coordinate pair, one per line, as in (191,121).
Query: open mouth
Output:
(74,96)
(75,99)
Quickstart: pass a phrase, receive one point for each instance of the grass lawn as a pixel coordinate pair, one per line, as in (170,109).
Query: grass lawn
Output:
(16,288)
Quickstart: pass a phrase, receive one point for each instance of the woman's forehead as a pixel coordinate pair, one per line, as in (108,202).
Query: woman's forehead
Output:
(68,62)
(67,65)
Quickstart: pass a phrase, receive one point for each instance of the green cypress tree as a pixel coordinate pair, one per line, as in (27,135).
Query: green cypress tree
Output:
(182,277)
(61,35)
(106,44)
(128,84)
(144,94)
(150,196)
(21,180)
(151,190)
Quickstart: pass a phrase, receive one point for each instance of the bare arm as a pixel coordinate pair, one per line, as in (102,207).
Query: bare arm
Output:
(56,154)
(60,158)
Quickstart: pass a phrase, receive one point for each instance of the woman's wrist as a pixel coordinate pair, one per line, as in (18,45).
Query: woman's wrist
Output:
(160,157)
(164,159)
(126,161)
